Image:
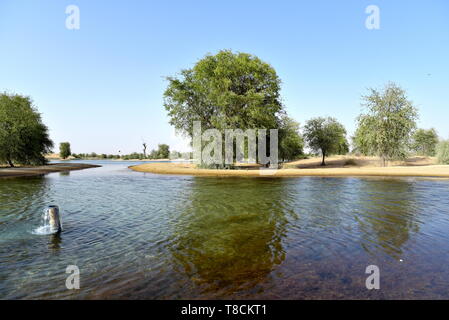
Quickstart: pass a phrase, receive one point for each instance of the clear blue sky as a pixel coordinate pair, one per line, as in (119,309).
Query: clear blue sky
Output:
(101,87)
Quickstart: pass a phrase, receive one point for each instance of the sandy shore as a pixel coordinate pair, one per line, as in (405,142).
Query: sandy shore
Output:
(337,166)
(41,170)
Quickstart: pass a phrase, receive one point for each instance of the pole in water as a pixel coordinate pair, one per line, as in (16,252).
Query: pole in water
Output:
(54,218)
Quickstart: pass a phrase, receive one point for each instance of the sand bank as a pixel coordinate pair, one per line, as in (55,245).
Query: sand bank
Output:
(41,170)
(337,166)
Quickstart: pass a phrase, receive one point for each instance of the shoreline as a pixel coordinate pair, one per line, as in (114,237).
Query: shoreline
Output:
(15,172)
(430,171)
(126,160)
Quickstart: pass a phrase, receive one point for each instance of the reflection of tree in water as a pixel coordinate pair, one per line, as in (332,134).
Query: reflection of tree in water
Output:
(387,214)
(18,195)
(229,235)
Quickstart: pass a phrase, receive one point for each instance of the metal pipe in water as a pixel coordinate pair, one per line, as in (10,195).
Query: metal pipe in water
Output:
(54,218)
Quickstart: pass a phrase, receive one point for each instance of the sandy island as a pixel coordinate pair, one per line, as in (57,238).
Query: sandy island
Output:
(336,166)
(41,170)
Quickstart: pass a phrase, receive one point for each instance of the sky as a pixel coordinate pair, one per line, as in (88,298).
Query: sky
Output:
(101,86)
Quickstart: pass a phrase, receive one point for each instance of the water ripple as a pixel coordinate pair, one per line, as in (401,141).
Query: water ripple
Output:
(136,235)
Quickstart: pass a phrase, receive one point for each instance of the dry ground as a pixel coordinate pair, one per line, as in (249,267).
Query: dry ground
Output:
(336,166)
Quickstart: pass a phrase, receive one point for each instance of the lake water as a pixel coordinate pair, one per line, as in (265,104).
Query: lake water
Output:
(146,236)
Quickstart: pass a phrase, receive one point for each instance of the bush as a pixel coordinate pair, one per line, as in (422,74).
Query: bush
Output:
(443,152)
(350,162)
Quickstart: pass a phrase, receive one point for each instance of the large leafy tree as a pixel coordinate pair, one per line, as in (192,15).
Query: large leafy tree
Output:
(291,143)
(24,138)
(325,135)
(386,128)
(425,142)
(226,90)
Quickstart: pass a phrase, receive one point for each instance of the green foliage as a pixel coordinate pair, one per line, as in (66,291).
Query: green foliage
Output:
(134,155)
(93,155)
(153,154)
(24,138)
(226,90)
(425,142)
(442,151)
(163,151)
(64,150)
(386,128)
(343,147)
(325,135)
(291,143)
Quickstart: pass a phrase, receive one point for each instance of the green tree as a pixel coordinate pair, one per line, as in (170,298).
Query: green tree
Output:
(291,143)
(443,152)
(425,142)
(24,138)
(325,135)
(163,151)
(386,128)
(64,150)
(226,90)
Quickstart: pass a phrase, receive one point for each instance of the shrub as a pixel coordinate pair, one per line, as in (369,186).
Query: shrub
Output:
(350,162)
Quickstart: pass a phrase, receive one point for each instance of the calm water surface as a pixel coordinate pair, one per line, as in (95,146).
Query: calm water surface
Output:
(145,236)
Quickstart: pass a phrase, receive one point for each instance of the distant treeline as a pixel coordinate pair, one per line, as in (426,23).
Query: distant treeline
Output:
(134,155)
(163,152)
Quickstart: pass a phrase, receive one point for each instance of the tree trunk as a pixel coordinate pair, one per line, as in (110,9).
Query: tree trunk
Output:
(324,155)
(384,161)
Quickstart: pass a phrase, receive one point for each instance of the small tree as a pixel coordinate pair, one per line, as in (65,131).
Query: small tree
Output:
(290,141)
(425,142)
(24,138)
(443,152)
(325,135)
(163,151)
(64,150)
(386,128)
